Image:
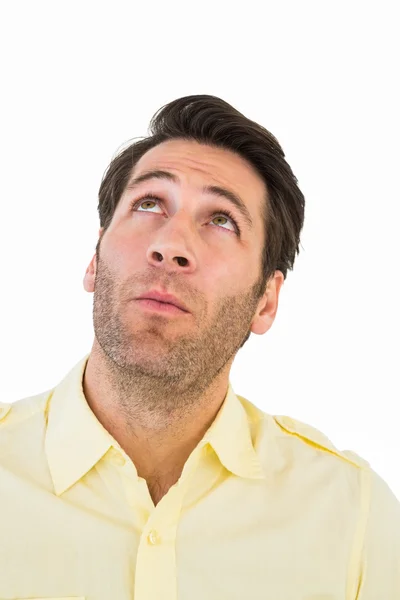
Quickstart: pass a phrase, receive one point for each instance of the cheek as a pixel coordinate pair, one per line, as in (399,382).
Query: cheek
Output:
(120,255)
(236,271)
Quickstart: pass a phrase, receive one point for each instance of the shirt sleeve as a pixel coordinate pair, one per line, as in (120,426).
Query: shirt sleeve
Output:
(380,561)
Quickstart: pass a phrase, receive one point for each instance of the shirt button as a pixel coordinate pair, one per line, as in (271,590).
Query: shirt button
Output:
(153,538)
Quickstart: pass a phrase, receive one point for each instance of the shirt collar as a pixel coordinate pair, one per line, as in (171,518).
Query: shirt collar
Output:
(76,440)
(230,435)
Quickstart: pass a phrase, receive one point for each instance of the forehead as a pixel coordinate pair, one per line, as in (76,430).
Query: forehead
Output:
(192,160)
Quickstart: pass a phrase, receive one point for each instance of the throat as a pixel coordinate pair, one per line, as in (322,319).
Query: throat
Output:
(158,488)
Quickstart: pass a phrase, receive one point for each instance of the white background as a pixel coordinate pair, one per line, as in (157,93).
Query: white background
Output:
(79,79)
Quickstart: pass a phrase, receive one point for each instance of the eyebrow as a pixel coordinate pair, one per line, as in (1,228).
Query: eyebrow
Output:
(215,190)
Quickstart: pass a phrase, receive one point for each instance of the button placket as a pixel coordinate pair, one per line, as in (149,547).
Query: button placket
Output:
(153,538)
(156,552)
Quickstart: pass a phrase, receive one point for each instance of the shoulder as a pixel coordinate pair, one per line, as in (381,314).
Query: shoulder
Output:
(12,413)
(4,410)
(312,436)
(23,425)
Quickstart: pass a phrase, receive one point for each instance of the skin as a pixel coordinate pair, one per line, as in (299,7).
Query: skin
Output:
(157,382)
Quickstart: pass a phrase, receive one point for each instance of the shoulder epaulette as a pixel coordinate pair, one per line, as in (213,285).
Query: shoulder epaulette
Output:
(4,409)
(317,438)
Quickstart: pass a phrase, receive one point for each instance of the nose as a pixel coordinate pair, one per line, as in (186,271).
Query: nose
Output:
(182,261)
(171,257)
(170,249)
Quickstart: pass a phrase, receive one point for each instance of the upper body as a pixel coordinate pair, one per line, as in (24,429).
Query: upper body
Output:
(266,507)
(206,496)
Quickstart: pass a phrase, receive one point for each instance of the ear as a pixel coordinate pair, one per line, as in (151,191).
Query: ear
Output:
(268,305)
(90,275)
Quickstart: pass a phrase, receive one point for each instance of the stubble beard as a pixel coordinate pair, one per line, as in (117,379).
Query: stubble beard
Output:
(152,357)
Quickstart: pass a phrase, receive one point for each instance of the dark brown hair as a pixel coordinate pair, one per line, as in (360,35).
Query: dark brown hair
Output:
(212,121)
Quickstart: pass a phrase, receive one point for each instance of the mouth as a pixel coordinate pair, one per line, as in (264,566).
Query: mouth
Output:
(166,308)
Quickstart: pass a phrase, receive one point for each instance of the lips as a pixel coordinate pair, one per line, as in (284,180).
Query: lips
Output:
(163,297)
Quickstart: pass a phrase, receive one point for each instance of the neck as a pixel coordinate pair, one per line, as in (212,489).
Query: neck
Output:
(158,423)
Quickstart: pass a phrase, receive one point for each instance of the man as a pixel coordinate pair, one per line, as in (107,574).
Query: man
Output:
(142,474)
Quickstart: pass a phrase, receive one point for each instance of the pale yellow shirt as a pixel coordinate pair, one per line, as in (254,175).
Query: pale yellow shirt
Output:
(266,509)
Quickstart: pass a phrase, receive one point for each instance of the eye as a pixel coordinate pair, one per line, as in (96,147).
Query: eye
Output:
(225,214)
(144,200)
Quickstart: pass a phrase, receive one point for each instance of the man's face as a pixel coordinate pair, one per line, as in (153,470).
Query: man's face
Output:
(176,239)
